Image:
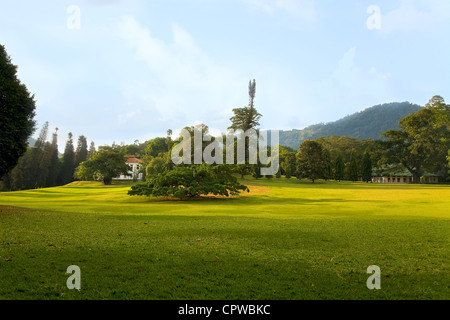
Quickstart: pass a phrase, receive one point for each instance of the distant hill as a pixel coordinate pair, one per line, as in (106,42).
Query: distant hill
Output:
(366,124)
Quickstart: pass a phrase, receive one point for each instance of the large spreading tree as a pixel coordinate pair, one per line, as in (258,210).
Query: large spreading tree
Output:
(423,140)
(17,110)
(310,160)
(106,163)
(190,182)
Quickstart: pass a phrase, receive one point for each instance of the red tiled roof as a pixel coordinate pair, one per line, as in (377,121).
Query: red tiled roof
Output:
(133,160)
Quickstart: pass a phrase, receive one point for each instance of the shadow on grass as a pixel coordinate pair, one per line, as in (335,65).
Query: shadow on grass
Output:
(268,199)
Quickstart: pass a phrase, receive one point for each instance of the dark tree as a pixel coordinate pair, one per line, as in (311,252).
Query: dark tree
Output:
(156,165)
(310,162)
(448,158)
(67,168)
(156,146)
(91,149)
(107,163)
(339,167)
(288,164)
(423,140)
(34,177)
(52,177)
(16,175)
(328,165)
(353,167)
(247,117)
(45,165)
(81,153)
(366,167)
(17,110)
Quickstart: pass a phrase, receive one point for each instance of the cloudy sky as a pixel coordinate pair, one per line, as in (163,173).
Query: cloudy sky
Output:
(116,70)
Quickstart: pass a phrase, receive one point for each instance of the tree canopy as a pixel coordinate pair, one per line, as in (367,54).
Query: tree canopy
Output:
(106,164)
(310,160)
(339,167)
(156,146)
(366,167)
(17,110)
(423,140)
(68,164)
(190,182)
(247,117)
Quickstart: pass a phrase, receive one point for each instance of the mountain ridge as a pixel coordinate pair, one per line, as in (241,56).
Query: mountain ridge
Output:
(368,123)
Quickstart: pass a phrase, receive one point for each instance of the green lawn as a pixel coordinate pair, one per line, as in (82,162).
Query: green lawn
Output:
(285,240)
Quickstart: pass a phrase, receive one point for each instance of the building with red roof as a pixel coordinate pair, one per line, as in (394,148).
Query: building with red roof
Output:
(135,165)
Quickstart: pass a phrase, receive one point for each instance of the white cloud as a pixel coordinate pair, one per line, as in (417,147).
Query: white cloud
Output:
(352,86)
(183,83)
(189,87)
(416,15)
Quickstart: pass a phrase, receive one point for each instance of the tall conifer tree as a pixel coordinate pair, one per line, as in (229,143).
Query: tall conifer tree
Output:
(353,167)
(81,153)
(366,167)
(339,167)
(67,168)
(91,150)
(52,177)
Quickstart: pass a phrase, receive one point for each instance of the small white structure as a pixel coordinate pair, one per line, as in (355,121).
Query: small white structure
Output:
(135,165)
(402,176)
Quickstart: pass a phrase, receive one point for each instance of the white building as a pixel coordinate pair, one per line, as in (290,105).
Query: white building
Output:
(402,176)
(135,165)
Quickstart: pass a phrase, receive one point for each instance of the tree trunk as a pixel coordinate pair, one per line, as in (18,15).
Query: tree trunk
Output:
(416,177)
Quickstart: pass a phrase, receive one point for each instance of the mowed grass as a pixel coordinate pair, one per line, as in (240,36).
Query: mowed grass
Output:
(284,240)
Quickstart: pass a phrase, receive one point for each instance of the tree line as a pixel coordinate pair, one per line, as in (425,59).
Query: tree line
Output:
(366,124)
(28,167)
(421,144)
(42,166)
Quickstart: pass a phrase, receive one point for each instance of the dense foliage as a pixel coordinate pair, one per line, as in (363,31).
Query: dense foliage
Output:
(247,117)
(106,164)
(421,144)
(190,182)
(42,166)
(17,110)
(423,141)
(310,161)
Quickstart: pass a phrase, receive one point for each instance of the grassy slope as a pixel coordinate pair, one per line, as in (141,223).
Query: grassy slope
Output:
(287,240)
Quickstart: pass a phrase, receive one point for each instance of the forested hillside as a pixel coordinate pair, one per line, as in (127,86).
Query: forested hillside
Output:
(367,124)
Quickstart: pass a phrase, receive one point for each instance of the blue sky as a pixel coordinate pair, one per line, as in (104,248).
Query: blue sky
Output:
(129,70)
